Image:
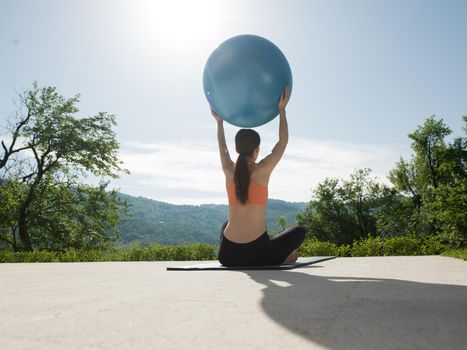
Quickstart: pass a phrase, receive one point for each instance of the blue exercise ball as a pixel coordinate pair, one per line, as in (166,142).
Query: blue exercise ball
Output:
(243,79)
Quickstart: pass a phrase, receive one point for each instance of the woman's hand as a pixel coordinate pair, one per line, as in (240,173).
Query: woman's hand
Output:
(284,99)
(214,114)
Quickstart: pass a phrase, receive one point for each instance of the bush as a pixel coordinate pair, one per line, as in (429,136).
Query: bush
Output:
(401,245)
(27,257)
(370,246)
(344,250)
(460,253)
(203,251)
(154,252)
(313,247)
(79,255)
(431,245)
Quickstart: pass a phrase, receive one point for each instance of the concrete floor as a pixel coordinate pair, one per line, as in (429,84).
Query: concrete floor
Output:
(346,303)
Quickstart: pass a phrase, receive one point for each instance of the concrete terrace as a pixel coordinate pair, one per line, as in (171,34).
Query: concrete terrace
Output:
(346,303)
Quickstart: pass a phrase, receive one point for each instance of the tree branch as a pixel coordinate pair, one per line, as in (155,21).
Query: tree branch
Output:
(9,151)
(4,147)
(6,240)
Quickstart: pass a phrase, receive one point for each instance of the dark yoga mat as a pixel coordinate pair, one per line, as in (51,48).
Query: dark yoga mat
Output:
(217,265)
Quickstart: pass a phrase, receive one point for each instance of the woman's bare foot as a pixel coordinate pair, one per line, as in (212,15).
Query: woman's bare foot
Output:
(292,257)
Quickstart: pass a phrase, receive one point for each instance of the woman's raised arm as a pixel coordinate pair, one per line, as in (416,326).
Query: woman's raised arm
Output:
(227,163)
(270,161)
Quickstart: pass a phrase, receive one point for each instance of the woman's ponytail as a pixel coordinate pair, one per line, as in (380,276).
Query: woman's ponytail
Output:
(246,141)
(242,177)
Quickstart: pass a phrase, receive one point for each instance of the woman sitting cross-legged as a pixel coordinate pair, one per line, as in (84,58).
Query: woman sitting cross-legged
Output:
(244,240)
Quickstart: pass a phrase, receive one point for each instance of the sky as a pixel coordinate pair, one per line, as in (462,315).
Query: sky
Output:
(365,74)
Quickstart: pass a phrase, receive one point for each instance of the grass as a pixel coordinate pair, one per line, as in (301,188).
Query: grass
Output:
(460,253)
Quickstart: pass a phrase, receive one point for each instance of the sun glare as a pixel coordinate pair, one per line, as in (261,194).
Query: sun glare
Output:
(176,25)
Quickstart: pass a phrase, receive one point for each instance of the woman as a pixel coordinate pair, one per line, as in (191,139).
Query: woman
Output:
(244,240)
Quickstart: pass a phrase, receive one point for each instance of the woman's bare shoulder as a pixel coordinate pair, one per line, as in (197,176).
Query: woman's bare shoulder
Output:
(261,175)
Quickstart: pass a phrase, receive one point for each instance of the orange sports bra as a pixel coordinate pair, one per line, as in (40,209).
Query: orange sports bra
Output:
(257,194)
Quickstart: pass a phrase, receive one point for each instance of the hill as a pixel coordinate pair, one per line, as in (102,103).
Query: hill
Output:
(153,221)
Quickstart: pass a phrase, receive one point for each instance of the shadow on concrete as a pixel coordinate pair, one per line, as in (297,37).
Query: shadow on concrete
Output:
(366,313)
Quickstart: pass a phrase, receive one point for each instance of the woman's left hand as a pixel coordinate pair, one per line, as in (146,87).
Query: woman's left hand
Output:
(214,114)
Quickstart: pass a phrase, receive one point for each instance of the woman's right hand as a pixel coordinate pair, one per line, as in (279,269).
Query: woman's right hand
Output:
(284,99)
(214,114)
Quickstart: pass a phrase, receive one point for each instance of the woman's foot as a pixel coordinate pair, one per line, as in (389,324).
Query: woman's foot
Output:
(292,257)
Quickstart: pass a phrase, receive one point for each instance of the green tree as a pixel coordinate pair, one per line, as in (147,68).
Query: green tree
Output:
(326,216)
(363,196)
(51,150)
(11,193)
(343,211)
(430,149)
(394,213)
(434,180)
(282,223)
(448,209)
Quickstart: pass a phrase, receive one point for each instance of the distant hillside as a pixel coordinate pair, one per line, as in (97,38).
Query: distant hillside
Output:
(159,222)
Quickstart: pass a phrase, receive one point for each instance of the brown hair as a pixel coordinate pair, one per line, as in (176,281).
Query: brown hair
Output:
(246,141)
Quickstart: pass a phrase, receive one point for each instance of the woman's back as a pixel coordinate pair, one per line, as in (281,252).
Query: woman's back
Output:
(248,222)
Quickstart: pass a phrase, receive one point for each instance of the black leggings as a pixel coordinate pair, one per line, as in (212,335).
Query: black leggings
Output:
(261,251)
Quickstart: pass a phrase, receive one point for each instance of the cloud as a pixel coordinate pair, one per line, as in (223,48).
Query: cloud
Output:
(309,161)
(179,166)
(189,171)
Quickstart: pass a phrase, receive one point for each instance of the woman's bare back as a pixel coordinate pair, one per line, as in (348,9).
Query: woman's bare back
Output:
(248,222)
